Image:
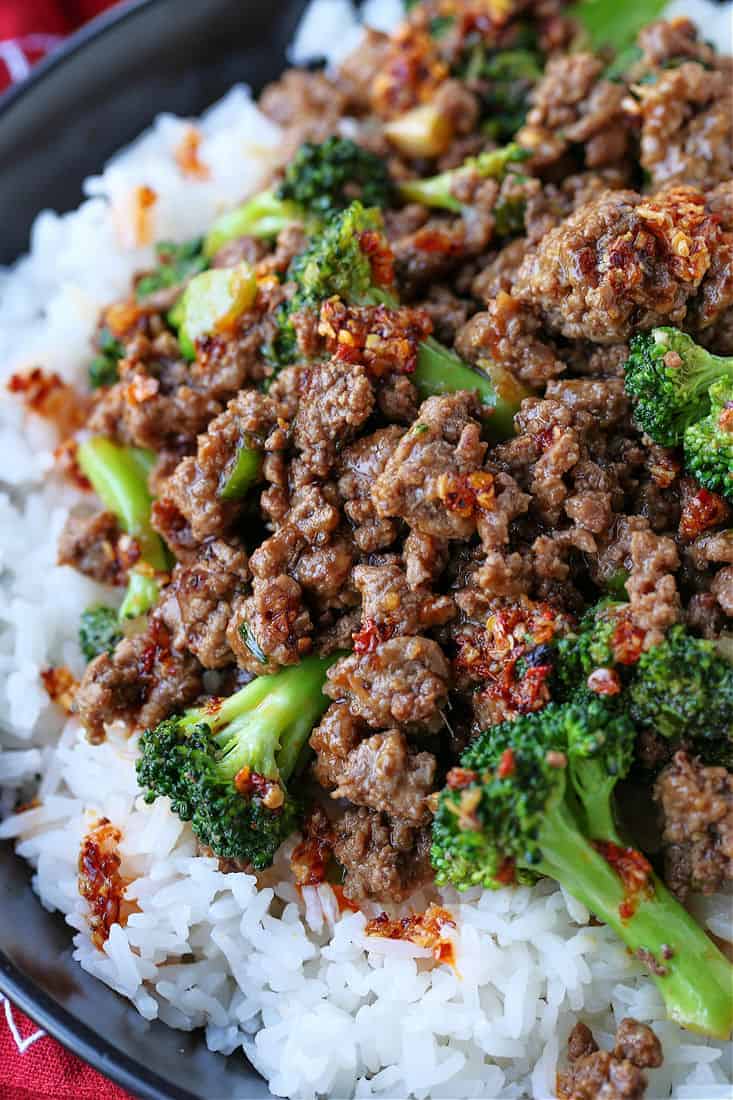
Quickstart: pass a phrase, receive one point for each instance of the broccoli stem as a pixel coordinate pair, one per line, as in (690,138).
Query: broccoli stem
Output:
(697,985)
(213,303)
(245,472)
(437,191)
(118,477)
(263,216)
(246,723)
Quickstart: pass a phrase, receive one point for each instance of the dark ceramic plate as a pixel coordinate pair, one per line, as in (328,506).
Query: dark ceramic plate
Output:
(102,89)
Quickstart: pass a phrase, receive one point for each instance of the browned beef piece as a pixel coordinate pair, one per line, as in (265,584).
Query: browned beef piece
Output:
(156,403)
(173,526)
(389,604)
(500,271)
(653,597)
(672,40)
(89,544)
(722,589)
(356,72)
(333,741)
(550,203)
(382,772)
(384,860)
(425,480)
(425,558)
(686,117)
(433,251)
(594,1074)
(197,605)
(197,481)
(697,803)
(711,317)
(248,250)
(447,311)
(403,681)
(508,333)
(272,627)
(308,106)
(509,503)
(574,105)
(359,466)
(141,683)
(335,400)
(621,263)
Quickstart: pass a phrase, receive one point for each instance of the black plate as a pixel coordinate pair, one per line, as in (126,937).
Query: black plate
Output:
(104,87)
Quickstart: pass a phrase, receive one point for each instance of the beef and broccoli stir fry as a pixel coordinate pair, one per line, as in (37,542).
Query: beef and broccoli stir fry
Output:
(417,472)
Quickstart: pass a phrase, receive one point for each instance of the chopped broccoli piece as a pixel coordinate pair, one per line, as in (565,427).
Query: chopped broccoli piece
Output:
(683,688)
(709,442)
(117,475)
(104,368)
(669,376)
(437,191)
(324,179)
(99,630)
(263,216)
(225,765)
(587,648)
(213,302)
(176,264)
(523,804)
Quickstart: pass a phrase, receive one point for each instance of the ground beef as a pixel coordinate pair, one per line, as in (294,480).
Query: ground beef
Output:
(673,40)
(508,334)
(425,558)
(391,607)
(574,106)
(197,606)
(686,117)
(430,464)
(141,683)
(196,484)
(385,860)
(594,1074)
(270,628)
(335,400)
(91,545)
(654,601)
(333,741)
(621,263)
(403,681)
(359,466)
(697,804)
(383,773)
(306,105)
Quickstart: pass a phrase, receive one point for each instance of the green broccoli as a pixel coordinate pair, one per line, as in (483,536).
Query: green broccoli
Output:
(118,476)
(213,303)
(99,630)
(587,648)
(225,765)
(709,443)
(324,179)
(437,191)
(351,259)
(104,368)
(320,181)
(523,804)
(176,264)
(669,376)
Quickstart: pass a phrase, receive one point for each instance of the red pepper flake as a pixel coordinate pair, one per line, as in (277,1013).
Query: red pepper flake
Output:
(371,635)
(604,681)
(383,339)
(100,883)
(423,929)
(627,642)
(634,870)
(381,257)
(434,240)
(187,155)
(467,494)
(144,200)
(507,764)
(460,778)
(506,874)
(310,859)
(725,420)
(65,457)
(346,905)
(123,318)
(255,785)
(61,686)
(701,511)
(47,395)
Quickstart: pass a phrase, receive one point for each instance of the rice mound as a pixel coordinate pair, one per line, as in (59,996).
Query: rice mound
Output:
(318,1007)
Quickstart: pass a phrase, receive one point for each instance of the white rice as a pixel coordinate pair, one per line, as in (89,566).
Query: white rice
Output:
(318,1008)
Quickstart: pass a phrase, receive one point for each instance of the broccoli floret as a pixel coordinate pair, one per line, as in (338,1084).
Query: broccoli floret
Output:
(104,368)
(587,648)
(683,688)
(176,264)
(324,179)
(709,442)
(437,191)
(225,766)
(263,216)
(523,804)
(119,477)
(669,376)
(99,630)
(351,259)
